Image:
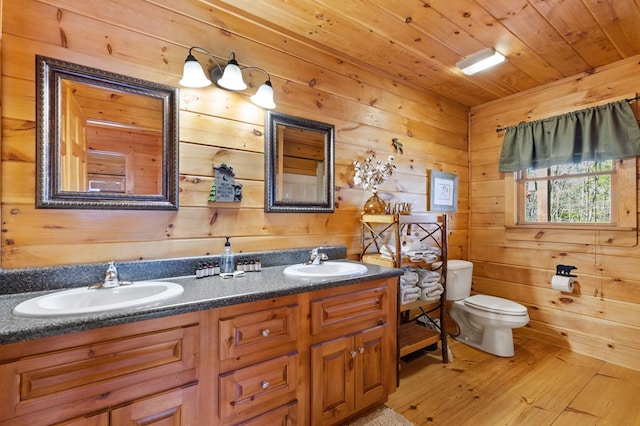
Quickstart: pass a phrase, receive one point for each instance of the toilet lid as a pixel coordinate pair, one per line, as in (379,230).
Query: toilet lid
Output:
(495,304)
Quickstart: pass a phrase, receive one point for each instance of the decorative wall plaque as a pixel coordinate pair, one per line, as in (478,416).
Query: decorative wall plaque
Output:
(225,188)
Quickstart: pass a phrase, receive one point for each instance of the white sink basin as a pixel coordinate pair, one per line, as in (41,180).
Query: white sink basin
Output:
(83,300)
(327,269)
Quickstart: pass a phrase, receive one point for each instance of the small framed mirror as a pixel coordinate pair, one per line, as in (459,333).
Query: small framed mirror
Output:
(299,164)
(104,140)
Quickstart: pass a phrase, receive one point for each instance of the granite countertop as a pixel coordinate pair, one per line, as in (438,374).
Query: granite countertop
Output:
(199,294)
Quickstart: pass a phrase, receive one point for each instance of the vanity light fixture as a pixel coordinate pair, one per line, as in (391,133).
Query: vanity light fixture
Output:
(479,61)
(229,78)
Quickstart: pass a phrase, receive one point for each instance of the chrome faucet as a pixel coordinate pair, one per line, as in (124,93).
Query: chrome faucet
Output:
(316,257)
(111,277)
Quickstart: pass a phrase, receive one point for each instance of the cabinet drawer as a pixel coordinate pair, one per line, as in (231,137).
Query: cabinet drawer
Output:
(367,307)
(94,376)
(286,415)
(258,388)
(258,332)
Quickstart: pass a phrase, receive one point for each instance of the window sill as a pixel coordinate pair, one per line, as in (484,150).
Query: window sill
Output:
(607,236)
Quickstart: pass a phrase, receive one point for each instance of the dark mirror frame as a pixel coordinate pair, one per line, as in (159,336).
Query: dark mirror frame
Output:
(271,204)
(49,74)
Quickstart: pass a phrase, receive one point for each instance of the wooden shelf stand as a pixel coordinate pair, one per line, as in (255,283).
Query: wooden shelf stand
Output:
(380,231)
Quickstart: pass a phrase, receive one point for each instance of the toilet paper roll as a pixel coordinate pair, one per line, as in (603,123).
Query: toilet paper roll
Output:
(560,283)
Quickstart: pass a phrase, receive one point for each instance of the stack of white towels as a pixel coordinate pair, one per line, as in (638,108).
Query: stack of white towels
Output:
(427,254)
(420,284)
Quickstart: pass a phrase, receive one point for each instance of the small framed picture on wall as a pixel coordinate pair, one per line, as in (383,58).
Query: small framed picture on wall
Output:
(443,191)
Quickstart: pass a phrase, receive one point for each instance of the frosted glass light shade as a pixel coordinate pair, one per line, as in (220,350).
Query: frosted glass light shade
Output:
(232,77)
(193,74)
(264,96)
(480,61)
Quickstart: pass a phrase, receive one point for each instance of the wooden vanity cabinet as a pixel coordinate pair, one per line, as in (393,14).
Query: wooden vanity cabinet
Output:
(353,350)
(145,370)
(259,362)
(314,358)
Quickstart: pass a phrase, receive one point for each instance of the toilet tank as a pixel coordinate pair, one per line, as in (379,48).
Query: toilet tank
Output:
(459,273)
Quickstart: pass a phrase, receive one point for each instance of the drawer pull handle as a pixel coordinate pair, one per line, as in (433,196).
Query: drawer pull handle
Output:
(265,385)
(353,354)
(265,332)
(361,350)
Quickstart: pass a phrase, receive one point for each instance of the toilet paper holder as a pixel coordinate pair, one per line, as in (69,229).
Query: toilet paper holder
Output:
(565,270)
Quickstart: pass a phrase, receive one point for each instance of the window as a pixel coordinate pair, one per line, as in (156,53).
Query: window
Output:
(568,193)
(572,203)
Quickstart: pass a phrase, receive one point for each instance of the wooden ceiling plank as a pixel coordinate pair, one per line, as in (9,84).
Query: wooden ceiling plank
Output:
(423,30)
(353,43)
(527,24)
(383,42)
(619,20)
(574,22)
(317,22)
(482,25)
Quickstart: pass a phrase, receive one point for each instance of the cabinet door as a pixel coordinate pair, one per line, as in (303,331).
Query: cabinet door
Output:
(101,419)
(177,407)
(374,367)
(351,373)
(332,366)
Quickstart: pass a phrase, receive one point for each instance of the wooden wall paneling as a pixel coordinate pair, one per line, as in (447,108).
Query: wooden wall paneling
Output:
(215,126)
(221,132)
(200,159)
(30,226)
(602,313)
(15,188)
(18,139)
(47,254)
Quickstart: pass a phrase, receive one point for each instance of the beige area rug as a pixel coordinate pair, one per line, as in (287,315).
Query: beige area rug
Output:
(383,416)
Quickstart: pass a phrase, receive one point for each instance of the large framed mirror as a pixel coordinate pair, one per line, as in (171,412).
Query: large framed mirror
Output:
(104,140)
(299,164)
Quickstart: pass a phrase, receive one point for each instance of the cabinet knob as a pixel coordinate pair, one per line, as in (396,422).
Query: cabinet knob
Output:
(265,332)
(361,350)
(265,385)
(354,354)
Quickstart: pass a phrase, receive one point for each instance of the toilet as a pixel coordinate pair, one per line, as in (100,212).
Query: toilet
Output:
(485,322)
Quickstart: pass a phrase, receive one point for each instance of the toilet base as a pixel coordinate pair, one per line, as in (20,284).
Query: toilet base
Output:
(492,333)
(498,342)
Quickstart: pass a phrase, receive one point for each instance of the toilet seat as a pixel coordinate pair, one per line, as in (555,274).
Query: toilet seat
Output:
(495,305)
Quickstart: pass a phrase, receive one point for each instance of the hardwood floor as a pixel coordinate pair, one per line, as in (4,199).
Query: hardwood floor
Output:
(541,385)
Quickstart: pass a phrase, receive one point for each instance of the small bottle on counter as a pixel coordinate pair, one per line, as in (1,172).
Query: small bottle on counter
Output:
(226,259)
(258,265)
(210,269)
(216,268)
(199,272)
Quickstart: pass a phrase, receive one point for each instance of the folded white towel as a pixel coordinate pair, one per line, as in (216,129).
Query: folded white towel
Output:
(429,298)
(425,273)
(410,290)
(408,298)
(429,283)
(409,277)
(431,293)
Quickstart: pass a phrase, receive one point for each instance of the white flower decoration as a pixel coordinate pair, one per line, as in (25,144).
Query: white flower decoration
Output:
(371,172)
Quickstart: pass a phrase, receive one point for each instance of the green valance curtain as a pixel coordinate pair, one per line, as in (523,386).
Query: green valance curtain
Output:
(600,133)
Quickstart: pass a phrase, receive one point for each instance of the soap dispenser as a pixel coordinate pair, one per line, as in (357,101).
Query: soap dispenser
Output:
(226,259)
